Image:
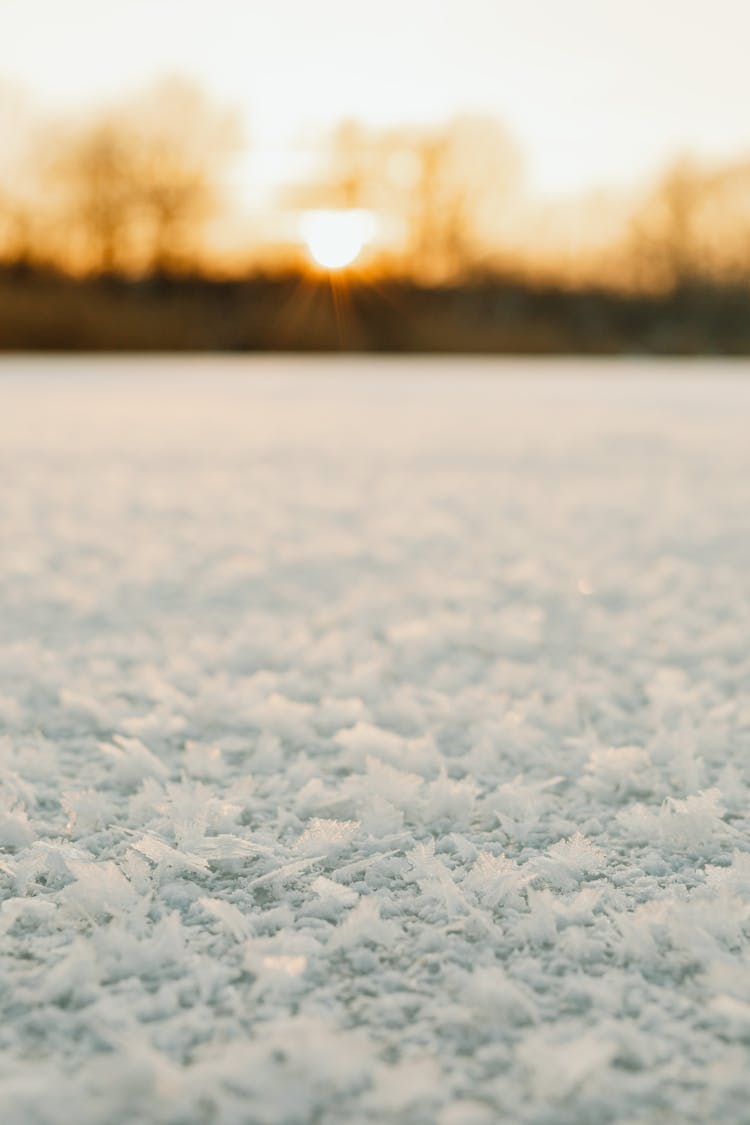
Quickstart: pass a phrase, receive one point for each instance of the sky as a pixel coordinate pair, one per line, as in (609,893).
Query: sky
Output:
(598,92)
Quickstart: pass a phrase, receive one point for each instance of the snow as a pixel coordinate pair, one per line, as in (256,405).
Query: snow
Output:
(374,742)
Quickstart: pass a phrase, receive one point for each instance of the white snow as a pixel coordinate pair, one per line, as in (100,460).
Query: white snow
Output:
(374,742)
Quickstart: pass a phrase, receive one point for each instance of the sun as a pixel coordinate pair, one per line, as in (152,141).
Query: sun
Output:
(335,239)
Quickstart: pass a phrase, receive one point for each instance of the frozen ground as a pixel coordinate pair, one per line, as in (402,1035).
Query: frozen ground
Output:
(375,743)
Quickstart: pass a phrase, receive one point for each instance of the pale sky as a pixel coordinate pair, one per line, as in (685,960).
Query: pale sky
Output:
(598,92)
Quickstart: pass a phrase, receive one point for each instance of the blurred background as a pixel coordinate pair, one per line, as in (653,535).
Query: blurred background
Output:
(464,175)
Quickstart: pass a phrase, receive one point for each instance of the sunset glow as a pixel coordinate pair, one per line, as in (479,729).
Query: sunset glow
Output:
(556,142)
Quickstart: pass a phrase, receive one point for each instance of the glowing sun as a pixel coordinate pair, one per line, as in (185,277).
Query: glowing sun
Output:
(335,239)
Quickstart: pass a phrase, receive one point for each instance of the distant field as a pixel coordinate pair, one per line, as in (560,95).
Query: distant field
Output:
(306,313)
(374,741)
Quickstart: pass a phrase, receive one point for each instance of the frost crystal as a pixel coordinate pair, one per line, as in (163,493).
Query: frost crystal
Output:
(374,748)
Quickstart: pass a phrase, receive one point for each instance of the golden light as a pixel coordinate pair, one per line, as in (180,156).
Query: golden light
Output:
(335,239)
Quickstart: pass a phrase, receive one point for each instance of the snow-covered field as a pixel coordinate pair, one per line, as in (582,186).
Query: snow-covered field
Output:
(375,742)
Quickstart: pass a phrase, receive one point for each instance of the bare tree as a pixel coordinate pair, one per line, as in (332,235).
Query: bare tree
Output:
(94,172)
(731,219)
(669,241)
(182,145)
(444,189)
(466,173)
(138,183)
(353,170)
(20,205)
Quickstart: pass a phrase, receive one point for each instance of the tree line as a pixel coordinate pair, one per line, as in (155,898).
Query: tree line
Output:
(129,189)
(134,188)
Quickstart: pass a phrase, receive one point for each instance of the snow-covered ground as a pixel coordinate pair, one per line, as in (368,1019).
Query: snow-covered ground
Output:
(375,742)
